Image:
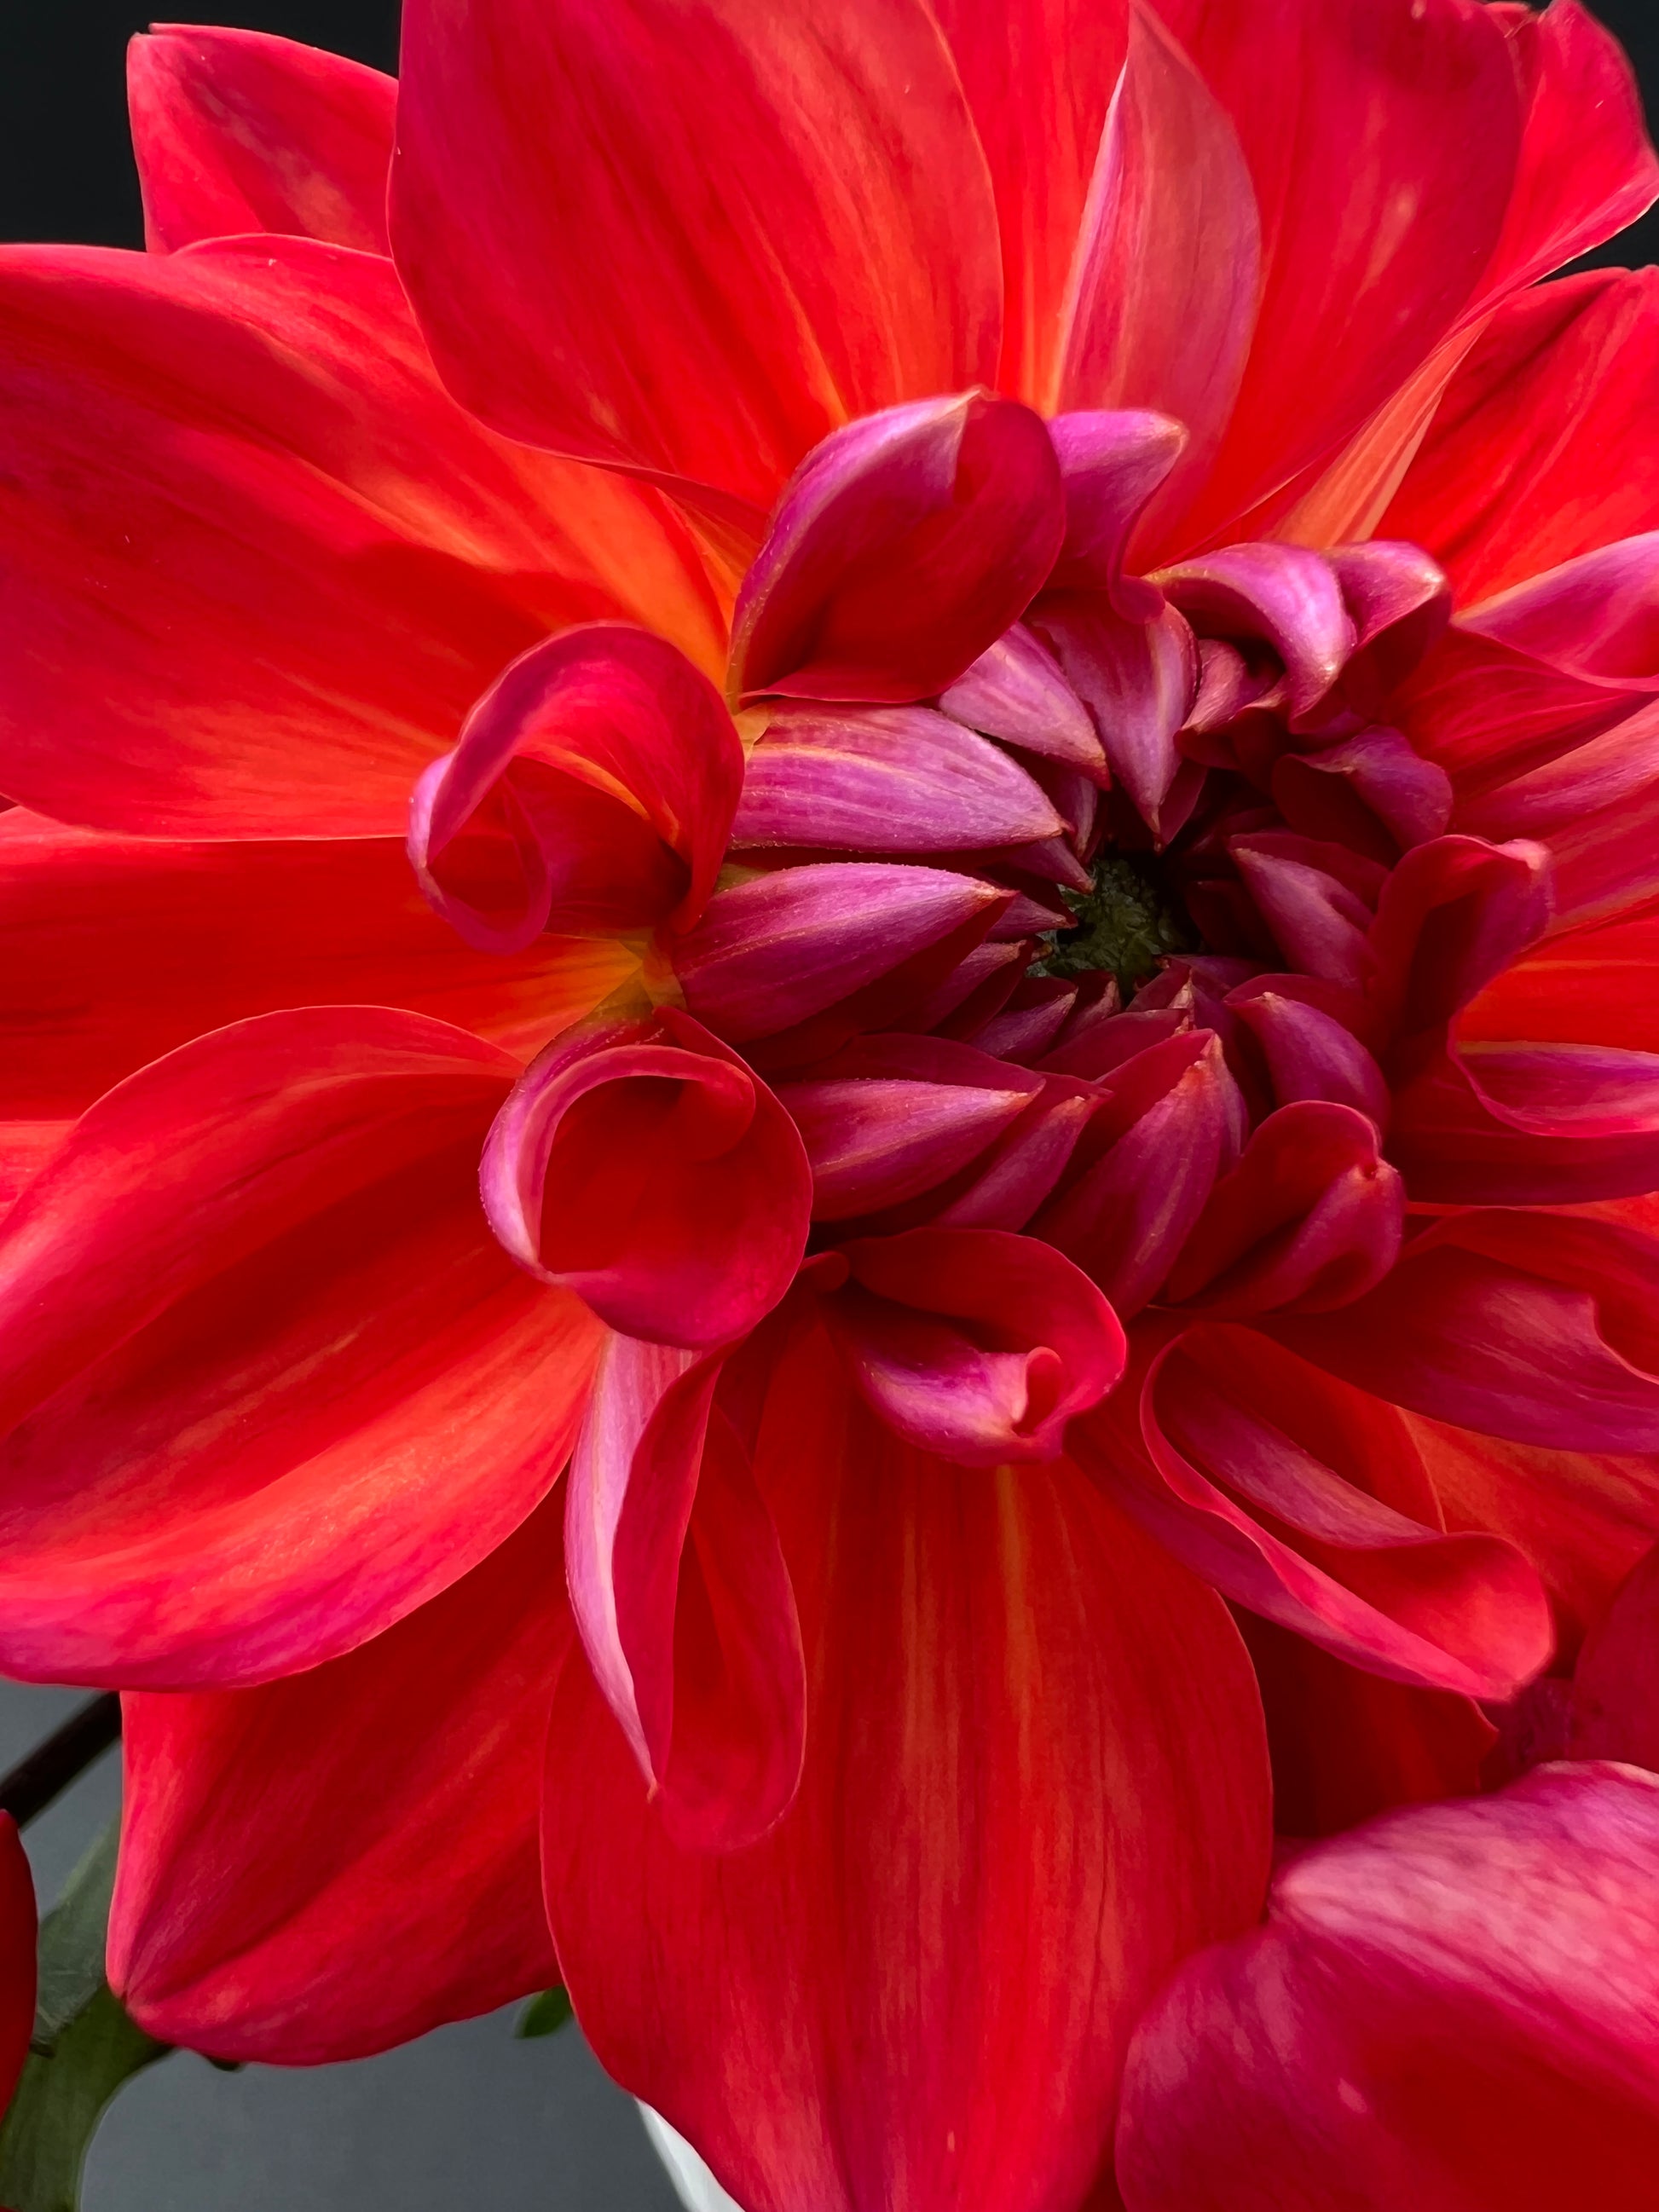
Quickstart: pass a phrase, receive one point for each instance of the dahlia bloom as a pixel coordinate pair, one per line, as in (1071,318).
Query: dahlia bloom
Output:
(963,700)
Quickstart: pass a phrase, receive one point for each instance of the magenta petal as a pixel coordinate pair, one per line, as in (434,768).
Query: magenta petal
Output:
(1138,680)
(1595,617)
(643,1166)
(1040,1343)
(1372,791)
(886,780)
(681,1599)
(1310,1053)
(1111,461)
(593,786)
(1015,691)
(1309,1219)
(1452,915)
(1283,593)
(1451,2009)
(904,546)
(769,953)
(1400,602)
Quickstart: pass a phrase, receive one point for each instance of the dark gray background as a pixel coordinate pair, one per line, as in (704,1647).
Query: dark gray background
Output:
(468,2117)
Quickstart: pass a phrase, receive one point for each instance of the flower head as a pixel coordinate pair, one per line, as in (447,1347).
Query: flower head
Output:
(919,685)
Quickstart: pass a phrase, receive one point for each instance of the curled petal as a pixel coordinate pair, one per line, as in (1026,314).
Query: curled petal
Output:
(682,1598)
(1306,1502)
(904,547)
(1166,277)
(1309,1219)
(1165,1133)
(1372,791)
(1111,463)
(1310,1053)
(886,780)
(1137,679)
(1453,2006)
(1015,691)
(1524,1325)
(1451,916)
(1319,918)
(256,1333)
(1399,602)
(594,785)
(1530,1124)
(1034,1779)
(771,953)
(234,132)
(1282,593)
(891,1117)
(975,1344)
(645,1168)
(1593,618)
(246,1925)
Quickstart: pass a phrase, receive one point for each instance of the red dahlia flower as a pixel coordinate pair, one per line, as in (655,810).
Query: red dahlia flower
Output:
(1038,898)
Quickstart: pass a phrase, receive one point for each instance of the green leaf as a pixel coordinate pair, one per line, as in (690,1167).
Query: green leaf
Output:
(84,2047)
(543,2015)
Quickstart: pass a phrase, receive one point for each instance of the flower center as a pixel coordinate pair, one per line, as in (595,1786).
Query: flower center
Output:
(1129,920)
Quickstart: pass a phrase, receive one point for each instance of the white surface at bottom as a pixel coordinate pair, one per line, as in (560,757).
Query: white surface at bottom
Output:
(694,2184)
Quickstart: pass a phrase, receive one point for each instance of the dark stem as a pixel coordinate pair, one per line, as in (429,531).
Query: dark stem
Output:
(51,1767)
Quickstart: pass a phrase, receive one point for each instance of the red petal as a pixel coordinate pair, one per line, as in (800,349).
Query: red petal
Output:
(17,1964)
(260,566)
(1414,105)
(1452,2009)
(1524,1325)
(1544,445)
(1575,186)
(593,788)
(901,549)
(236,132)
(1034,1779)
(268,1381)
(644,1167)
(337,1861)
(1039,75)
(1306,1502)
(975,1344)
(1167,274)
(1346,1746)
(115,949)
(692,246)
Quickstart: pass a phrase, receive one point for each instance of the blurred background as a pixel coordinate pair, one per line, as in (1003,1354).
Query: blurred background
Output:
(470,2117)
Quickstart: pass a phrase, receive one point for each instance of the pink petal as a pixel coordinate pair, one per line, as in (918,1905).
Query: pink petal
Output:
(260,564)
(1544,445)
(642,1166)
(268,1381)
(1523,1325)
(770,953)
(1452,2008)
(1282,593)
(1372,790)
(904,546)
(891,1117)
(886,779)
(1163,1139)
(1530,1124)
(1137,679)
(1034,1779)
(1450,917)
(1596,617)
(692,247)
(1399,601)
(1039,75)
(1167,281)
(1015,691)
(247,1925)
(1309,1219)
(236,132)
(682,1600)
(1309,1054)
(1359,286)
(1040,1343)
(593,787)
(1111,463)
(1305,1502)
